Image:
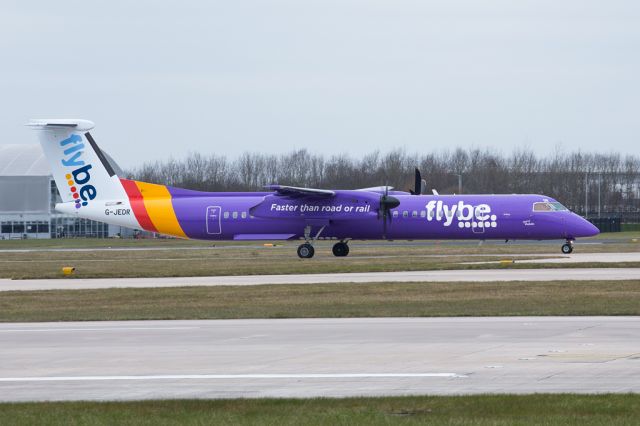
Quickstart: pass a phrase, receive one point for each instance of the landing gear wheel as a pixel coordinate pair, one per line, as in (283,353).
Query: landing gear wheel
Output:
(340,249)
(305,251)
(567,248)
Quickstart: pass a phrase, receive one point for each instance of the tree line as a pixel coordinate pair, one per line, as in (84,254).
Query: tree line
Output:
(585,182)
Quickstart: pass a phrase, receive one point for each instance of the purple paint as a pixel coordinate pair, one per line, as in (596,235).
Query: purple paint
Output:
(355,214)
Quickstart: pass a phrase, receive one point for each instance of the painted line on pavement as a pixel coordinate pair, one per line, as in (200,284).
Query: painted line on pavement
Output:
(231,376)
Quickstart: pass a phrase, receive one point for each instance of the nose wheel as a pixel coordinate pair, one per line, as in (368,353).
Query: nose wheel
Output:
(305,251)
(567,247)
(340,249)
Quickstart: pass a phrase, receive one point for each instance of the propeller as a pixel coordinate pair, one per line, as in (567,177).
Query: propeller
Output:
(419,184)
(387,202)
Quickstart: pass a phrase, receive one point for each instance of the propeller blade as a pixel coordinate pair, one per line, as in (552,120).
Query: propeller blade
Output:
(418,183)
(384,227)
(387,202)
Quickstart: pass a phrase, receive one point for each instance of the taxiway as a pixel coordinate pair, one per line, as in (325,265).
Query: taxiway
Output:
(318,357)
(483,275)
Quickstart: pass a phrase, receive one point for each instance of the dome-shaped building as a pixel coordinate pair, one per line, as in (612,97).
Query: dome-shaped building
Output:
(28,195)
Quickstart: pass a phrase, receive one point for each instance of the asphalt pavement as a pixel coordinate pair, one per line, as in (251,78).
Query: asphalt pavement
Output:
(317,357)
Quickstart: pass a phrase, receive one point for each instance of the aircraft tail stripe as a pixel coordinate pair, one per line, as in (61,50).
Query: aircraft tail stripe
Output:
(137,204)
(158,202)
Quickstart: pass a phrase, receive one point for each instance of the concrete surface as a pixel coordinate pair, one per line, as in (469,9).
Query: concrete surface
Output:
(486,275)
(588,258)
(317,357)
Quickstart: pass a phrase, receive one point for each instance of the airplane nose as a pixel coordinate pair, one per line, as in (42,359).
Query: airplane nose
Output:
(584,228)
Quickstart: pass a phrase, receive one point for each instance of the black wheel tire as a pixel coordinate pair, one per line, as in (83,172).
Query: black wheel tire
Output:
(305,251)
(340,249)
(567,248)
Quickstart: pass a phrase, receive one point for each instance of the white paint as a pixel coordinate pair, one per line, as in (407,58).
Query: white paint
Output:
(54,330)
(232,376)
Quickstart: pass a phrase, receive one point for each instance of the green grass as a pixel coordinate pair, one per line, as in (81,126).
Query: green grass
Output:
(326,301)
(632,231)
(64,243)
(183,258)
(480,410)
(631,227)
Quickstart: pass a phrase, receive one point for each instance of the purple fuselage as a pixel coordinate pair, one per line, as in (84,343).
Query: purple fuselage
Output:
(357,215)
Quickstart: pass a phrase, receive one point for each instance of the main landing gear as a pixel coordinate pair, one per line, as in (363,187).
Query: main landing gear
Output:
(340,249)
(306,251)
(567,247)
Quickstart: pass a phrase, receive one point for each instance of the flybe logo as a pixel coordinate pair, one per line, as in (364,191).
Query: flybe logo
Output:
(468,216)
(78,177)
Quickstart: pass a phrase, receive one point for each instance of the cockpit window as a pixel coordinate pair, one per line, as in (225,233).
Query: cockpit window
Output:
(558,207)
(548,207)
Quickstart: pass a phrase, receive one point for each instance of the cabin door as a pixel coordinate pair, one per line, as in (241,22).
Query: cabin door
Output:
(214,220)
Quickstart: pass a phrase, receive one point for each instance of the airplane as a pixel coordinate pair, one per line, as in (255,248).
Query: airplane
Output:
(90,188)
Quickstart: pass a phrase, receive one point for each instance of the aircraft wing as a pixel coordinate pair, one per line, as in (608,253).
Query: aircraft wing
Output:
(296,191)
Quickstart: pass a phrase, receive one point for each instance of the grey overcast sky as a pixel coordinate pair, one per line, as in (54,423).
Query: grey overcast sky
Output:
(162,78)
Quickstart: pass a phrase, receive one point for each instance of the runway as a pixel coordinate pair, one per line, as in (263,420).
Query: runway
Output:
(486,275)
(317,357)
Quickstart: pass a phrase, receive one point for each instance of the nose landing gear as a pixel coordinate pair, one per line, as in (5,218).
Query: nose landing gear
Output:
(340,249)
(567,247)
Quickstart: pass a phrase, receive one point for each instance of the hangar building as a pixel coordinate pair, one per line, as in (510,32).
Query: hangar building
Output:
(28,195)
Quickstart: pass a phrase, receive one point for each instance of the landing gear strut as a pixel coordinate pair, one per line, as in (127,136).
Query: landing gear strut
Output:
(340,249)
(306,251)
(567,247)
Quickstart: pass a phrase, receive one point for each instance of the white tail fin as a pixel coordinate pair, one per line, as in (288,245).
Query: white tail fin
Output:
(81,171)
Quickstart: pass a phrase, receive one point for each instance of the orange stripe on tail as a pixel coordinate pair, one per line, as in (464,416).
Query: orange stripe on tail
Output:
(137,204)
(158,203)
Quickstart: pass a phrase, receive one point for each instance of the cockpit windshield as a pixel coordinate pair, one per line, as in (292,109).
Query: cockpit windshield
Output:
(549,207)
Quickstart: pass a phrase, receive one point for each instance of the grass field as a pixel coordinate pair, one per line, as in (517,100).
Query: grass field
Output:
(612,237)
(163,257)
(326,301)
(480,410)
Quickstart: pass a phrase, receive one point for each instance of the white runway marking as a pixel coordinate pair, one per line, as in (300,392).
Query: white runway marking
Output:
(231,376)
(54,330)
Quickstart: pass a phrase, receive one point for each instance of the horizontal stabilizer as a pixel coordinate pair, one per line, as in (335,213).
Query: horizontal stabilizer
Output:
(76,124)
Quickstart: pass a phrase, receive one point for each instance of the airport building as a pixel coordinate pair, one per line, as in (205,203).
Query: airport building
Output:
(28,195)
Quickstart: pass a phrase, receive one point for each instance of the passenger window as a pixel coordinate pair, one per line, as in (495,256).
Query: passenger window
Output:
(405,214)
(414,214)
(423,213)
(395,213)
(234,215)
(226,215)
(244,215)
